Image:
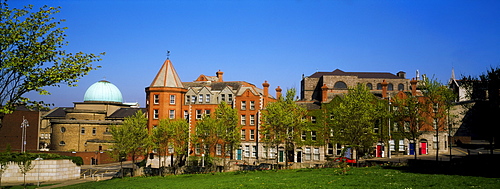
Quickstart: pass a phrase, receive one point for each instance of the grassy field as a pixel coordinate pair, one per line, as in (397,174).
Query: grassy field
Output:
(369,177)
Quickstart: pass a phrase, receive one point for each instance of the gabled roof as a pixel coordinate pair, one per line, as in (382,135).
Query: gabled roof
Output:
(384,75)
(167,77)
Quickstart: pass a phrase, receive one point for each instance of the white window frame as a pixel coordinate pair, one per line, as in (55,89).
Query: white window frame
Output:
(252,134)
(172,99)
(200,98)
(199,114)
(243,134)
(243,120)
(156,114)
(252,119)
(171,114)
(252,105)
(207,98)
(243,105)
(156,99)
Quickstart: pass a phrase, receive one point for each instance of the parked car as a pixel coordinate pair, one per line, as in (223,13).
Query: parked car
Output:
(344,159)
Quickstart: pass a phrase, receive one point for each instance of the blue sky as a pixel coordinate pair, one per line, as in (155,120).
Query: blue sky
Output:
(275,40)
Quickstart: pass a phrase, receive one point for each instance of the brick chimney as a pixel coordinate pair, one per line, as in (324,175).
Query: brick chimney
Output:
(413,84)
(266,88)
(384,89)
(324,93)
(219,75)
(278,92)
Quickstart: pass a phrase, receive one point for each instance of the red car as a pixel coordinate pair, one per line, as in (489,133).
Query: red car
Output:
(344,159)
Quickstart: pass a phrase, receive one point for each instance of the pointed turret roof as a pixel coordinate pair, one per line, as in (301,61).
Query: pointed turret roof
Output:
(167,76)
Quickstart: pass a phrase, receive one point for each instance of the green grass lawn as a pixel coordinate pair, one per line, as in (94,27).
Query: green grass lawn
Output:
(367,177)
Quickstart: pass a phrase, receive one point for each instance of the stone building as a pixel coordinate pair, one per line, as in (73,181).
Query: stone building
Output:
(85,127)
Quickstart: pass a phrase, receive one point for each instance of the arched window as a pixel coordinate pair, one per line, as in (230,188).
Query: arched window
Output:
(63,129)
(390,87)
(340,85)
(401,87)
(379,86)
(369,86)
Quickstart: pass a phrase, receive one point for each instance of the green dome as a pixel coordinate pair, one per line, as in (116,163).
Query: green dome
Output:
(103,91)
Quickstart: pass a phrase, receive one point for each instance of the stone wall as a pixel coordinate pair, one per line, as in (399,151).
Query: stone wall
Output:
(45,170)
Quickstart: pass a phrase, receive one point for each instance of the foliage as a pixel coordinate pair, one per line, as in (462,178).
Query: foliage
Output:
(365,177)
(31,55)
(354,118)
(407,117)
(228,127)
(283,122)
(179,134)
(24,163)
(132,137)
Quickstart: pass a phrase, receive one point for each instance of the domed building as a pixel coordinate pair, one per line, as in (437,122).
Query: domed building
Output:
(85,126)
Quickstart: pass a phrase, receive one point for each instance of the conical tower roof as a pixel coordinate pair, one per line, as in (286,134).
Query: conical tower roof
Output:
(167,76)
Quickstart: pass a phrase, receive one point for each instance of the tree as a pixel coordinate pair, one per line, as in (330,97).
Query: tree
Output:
(32,57)
(283,123)
(160,139)
(5,159)
(131,138)
(437,101)
(178,131)
(354,119)
(24,163)
(407,117)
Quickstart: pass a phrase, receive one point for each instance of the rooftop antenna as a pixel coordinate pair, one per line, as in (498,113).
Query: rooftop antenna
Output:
(168,55)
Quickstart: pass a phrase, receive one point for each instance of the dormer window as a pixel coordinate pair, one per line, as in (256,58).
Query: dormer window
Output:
(207,98)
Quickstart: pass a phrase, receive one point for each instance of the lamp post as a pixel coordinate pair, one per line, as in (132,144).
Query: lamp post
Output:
(24,124)
(389,130)
(38,163)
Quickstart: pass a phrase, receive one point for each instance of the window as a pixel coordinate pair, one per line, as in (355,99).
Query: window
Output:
(170,149)
(390,87)
(340,85)
(243,105)
(303,135)
(339,149)
(435,142)
(200,98)
(218,149)
(330,149)
(435,123)
(94,131)
(313,119)
(308,154)
(407,126)
(401,87)
(62,143)
(313,135)
(156,99)
(197,149)
(186,114)
(247,151)
(207,113)
(83,130)
(172,99)
(369,86)
(223,97)
(230,97)
(188,98)
(252,105)
(171,114)
(252,134)
(193,99)
(252,119)
(243,134)
(63,129)
(401,145)
(156,114)
(207,98)
(243,119)
(254,151)
(198,114)
(379,86)
(316,154)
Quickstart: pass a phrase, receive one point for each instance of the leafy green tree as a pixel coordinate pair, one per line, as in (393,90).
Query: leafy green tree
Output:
(5,159)
(436,104)
(228,128)
(407,117)
(24,162)
(178,131)
(31,56)
(283,122)
(354,119)
(131,138)
(160,140)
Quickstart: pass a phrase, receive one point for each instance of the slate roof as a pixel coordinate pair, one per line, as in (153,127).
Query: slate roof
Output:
(384,75)
(125,112)
(59,112)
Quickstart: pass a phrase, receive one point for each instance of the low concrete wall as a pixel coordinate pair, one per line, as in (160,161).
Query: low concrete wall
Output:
(45,170)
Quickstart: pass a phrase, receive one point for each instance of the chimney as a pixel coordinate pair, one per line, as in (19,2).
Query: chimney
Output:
(219,75)
(324,93)
(384,89)
(278,92)
(401,74)
(266,88)
(413,84)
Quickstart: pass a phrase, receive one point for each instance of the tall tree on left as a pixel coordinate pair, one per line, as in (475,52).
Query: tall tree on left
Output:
(32,56)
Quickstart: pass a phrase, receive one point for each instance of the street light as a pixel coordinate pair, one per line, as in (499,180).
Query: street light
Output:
(38,163)
(24,124)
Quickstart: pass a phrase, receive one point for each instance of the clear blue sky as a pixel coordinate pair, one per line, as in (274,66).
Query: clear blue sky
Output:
(275,40)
